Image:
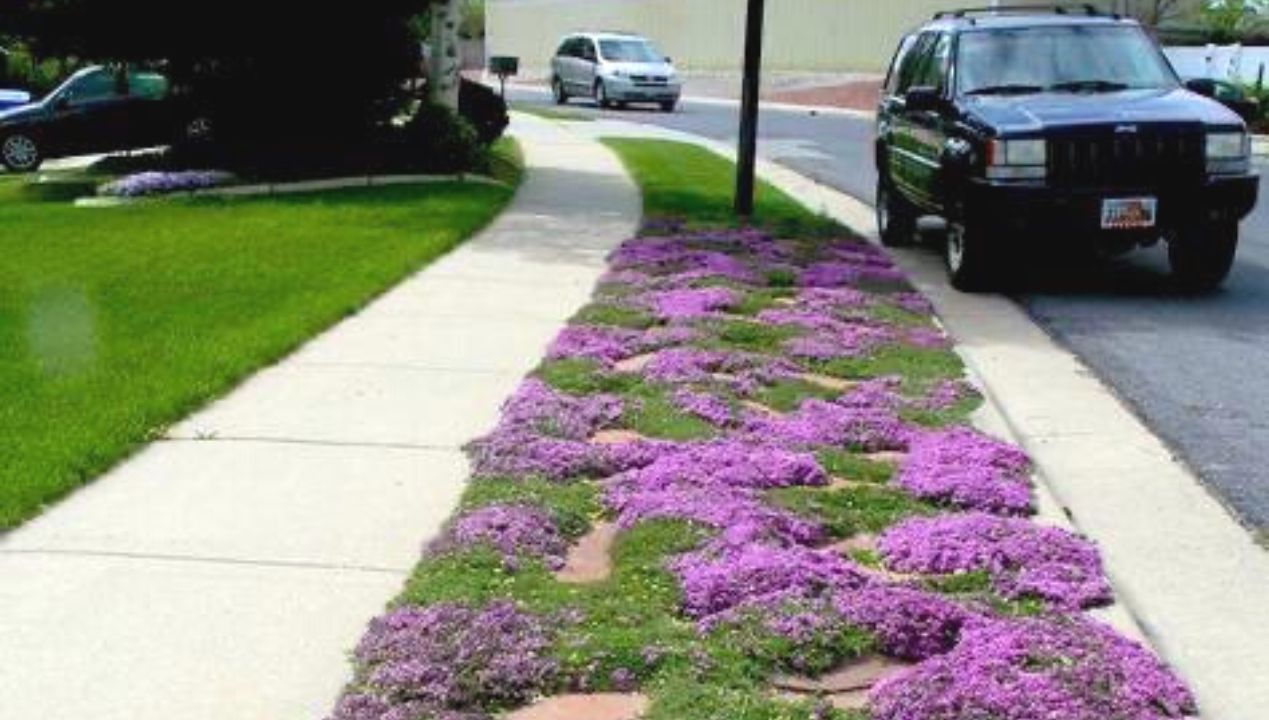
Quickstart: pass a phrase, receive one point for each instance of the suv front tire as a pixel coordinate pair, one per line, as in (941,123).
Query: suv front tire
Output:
(896,218)
(1202,255)
(970,258)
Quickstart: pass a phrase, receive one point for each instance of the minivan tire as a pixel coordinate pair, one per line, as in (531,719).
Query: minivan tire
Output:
(20,153)
(896,217)
(971,267)
(601,95)
(557,89)
(668,105)
(1202,255)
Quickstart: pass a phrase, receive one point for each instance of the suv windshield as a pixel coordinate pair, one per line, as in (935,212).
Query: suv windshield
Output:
(629,51)
(1072,58)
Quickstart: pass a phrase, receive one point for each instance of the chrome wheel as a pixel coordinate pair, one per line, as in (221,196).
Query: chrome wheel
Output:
(557,89)
(20,153)
(955,248)
(601,95)
(200,128)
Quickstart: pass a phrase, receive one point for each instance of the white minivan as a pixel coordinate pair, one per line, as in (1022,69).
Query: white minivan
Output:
(614,69)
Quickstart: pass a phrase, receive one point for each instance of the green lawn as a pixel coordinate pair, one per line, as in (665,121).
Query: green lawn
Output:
(690,183)
(115,323)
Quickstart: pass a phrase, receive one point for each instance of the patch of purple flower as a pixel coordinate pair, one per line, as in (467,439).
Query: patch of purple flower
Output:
(723,578)
(512,530)
(712,409)
(164,183)
(690,303)
(537,408)
(820,423)
(1035,669)
(969,470)
(606,345)
(909,624)
(417,662)
(1024,559)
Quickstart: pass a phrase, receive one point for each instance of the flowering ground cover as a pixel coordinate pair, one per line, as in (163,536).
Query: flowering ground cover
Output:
(777,429)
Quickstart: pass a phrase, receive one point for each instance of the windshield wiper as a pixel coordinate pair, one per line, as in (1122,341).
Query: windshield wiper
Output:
(1089,85)
(1008,89)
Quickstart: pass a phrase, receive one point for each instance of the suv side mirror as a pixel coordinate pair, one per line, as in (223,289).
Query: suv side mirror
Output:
(1203,86)
(923,98)
(668,60)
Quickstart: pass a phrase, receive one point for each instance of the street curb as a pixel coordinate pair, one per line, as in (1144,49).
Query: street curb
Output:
(728,102)
(1191,576)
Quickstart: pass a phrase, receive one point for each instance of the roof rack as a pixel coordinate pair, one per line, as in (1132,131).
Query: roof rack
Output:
(1084,8)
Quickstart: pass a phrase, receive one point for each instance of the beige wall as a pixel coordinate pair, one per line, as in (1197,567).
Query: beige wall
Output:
(808,35)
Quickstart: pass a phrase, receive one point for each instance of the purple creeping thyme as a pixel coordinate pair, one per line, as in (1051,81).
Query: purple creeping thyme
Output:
(726,463)
(910,624)
(741,515)
(712,409)
(511,530)
(1024,559)
(692,365)
(1062,668)
(969,470)
(606,345)
(426,661)
(946,394)
(690,303)
(538,408)
(913,303)
(164,183)
(820,423)
(730,578)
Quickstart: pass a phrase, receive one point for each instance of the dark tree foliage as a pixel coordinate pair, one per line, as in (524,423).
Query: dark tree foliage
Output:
(269,72)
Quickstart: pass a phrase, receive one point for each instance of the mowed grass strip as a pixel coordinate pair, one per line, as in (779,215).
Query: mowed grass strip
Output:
(114,323)
(690,183)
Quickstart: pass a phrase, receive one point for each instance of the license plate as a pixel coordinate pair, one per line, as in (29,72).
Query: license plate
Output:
(1129,213)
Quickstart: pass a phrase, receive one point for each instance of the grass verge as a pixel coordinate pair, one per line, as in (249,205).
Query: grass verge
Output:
(117,322)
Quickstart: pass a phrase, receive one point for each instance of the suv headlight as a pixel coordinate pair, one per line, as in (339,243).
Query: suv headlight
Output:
(1228,152)
(1017,159)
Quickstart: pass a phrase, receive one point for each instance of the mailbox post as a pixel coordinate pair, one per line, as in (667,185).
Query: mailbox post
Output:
(747,152)
(504,66)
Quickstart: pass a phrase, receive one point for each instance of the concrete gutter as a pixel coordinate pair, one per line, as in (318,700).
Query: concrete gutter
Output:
(1190,575)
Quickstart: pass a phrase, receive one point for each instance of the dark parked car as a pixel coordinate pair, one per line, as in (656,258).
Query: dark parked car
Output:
(97,110)
(1066,125)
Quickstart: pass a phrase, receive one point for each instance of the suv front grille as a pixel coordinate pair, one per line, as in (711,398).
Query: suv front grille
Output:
(1107,158)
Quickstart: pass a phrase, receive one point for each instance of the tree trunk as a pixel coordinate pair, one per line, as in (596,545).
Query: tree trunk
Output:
(443,75)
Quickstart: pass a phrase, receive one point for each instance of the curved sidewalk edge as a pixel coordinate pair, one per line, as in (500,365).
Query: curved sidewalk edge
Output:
(225,572)
(1192,578)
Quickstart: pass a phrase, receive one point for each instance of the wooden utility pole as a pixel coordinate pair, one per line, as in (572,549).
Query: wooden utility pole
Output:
(746,154)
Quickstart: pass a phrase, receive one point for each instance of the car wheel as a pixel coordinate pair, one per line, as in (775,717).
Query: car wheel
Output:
(970,265)
(601,95)
(20,153)
(199,129)
(557,89)
(1202,256)
(896,218)
(668,105)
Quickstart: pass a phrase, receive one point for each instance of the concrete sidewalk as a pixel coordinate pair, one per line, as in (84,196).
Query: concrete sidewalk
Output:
(224,572)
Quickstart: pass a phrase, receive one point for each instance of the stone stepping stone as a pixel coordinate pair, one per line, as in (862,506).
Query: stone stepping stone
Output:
(828,381)
(590,558)
(760,408)
(845,688)
(597,706)
(633,364)
(616,437)
(892,457)
(862,541)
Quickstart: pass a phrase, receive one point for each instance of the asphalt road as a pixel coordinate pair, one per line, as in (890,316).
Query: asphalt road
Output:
(1193,368)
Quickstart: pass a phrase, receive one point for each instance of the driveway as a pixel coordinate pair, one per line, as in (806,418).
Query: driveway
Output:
(1189,366)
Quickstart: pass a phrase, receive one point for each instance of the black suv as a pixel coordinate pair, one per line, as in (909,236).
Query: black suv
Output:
(1020,124)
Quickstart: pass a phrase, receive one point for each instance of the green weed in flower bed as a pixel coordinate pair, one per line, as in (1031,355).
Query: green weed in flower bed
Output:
(849,511)
(574,506)
(654,415)
(751,336)
(917,366)
(582,376)
(787,395)
(851,466)
(614,315)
